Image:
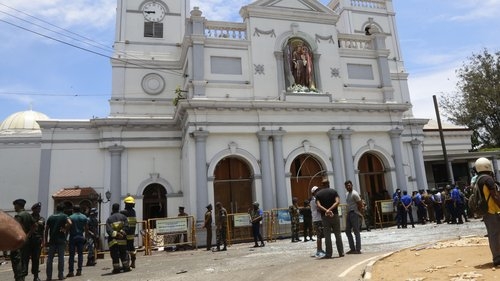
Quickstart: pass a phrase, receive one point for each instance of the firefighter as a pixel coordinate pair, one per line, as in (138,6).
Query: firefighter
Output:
(129,212)
(116,227)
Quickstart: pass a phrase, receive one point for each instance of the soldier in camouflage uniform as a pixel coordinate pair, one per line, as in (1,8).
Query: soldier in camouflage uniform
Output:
(35,240)
(221,226)
(294,217)
(93,237)
(20,256)
(208,226)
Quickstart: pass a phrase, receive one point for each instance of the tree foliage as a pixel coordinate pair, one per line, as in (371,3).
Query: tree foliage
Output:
(477,103)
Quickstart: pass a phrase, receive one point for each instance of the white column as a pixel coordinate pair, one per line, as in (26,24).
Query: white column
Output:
(200,138)
(115,184)
(279,169)
(338,179)
(395,135)
(418,162)
(268,200)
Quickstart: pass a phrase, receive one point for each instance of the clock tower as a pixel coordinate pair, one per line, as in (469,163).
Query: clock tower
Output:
(147,64)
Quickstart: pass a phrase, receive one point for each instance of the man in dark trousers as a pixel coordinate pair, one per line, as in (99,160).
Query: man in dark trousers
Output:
(256,216)
(35,240)
(19,257)
(184,236)
(221,226)
(307,217)
(116,227)
(208,226)
(58,225)
(129,212)
(78,230)
(93,237)
(327,201)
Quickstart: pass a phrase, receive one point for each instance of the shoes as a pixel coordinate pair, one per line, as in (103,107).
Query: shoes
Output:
(36,279)
(305,239)
(256,245)
(116,271)
(353,252)
(341,255)
(126,269)
(320,254)
(262,244)
(71,274)
(312,239)
(325,257)
(78,273)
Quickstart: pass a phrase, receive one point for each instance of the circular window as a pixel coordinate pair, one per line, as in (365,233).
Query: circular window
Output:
(153,84)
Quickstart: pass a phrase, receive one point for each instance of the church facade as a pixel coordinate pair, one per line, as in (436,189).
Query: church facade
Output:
(235,112)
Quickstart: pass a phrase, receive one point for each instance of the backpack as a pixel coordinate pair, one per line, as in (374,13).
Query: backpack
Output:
(478,204)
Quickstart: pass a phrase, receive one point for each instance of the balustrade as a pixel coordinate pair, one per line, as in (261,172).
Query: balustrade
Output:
(225,30)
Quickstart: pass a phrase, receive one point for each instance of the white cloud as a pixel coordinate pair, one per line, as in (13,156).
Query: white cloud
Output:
(423,87)
(222,10)
(478,10)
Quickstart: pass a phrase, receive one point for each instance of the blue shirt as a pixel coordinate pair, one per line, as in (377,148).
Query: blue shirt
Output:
(79,221)
(455,195)
(406,199)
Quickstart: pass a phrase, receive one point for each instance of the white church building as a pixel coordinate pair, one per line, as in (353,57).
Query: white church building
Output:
(204,111)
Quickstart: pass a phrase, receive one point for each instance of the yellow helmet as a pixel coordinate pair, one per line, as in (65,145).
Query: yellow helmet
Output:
(129,200)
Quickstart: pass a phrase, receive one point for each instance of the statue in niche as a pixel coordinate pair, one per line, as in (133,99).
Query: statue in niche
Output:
(299,64)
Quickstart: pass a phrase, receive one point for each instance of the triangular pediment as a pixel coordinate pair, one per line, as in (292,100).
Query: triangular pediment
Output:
(306,10)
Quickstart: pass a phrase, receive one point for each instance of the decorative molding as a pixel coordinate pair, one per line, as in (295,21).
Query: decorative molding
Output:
(258,32)
(153,84)
(335,72)
(232,147)
(324,38)
(259,68)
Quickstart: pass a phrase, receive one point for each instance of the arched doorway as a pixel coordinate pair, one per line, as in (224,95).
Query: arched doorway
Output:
(233,185)
(371,176)
(306,171)
(154,202)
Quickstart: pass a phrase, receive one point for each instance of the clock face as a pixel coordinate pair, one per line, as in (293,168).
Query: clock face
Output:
(153,11)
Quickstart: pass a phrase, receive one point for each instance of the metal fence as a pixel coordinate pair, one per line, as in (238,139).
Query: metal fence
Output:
(239,228)
(169,232)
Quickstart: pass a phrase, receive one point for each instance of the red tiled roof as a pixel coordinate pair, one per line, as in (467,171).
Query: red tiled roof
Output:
(74,192)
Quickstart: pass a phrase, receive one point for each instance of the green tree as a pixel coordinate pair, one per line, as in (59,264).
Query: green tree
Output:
(477,103)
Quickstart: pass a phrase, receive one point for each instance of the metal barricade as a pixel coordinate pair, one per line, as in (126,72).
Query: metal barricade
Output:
(239,228)
(384,213)
(169,232)
(281,222)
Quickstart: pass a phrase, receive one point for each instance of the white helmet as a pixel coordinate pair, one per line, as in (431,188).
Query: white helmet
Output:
(483,165)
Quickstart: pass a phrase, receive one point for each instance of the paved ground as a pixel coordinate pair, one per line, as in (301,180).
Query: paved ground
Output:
(279,260)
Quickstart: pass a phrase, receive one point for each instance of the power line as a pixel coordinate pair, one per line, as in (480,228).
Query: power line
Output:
(53,25)
(78,40)
(51,94)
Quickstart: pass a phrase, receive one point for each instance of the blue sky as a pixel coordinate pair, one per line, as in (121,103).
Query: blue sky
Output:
(66,82)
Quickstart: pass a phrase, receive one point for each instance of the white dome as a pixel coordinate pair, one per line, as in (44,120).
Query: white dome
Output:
(23,120)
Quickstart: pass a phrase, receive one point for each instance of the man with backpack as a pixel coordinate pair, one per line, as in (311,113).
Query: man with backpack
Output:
(491,194)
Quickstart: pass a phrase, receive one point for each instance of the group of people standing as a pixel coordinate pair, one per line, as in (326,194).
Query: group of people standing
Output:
(220,227)
(326,219)
(440,205)
(75,230)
